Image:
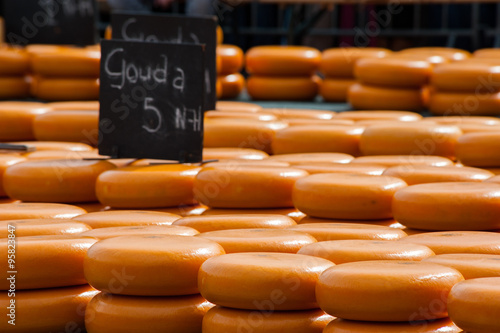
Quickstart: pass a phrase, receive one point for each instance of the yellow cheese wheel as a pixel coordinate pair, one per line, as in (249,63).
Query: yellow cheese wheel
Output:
(149,265)
(319,167)
(232,85)
(33,49)
(340,62)
(231,164)
(381,115)
(386,290)
(151,230)
(282,60)
(67,155)
(443,242)
(13,62)
(56,145)
(387,222)
(147,186)
(461,120)
(16,120)
(393,72)
(287,88)
(231,59)
(75,106)
(54,180)
(474,305)
(72,126)
(262,116)
(299,158)
(471,265)
(65,89)
(39,227)
(467,77)
(292,213)
(346,196)
(208,223)
(6,160)
(302,121)
(365,97)
(233,153)
(342,251)
(493,53)
(14,87)
(335,90)
(419,174)
(44,261)
(479,149)
(449,52)
(286,113)
(448,206)
(320,138)
(241,133)
(430,57)
(350,326)
(70,62)
(220,319)
(246,187)
(18,211)
(410,160)
(464,103)
(329,231)
(45,310)
(259,240)
(107,313)
(237,106)
(262,281)
(126,218)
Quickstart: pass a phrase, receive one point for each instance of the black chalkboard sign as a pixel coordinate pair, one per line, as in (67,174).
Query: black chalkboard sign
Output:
(50,22)
(151,100)
(173,29)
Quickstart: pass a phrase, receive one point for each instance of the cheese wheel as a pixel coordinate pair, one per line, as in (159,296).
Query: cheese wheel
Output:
(6,160)
(44,261)
(33,49)
(449,52)
(237,106)
(474,305)
(283,88)
(107,313)
(343,251)
(182,210)
(282,60)
(285,113)
(471,128)
(493,53)
(61,155)
(220,319)
(299,158)
(419,174)
(430,57)
(464,103)
(246,187)
(329,231)
(147,186)
(40,227)
(56,145)
(467,77)
(231,59)
(335,90)
(386,223)
(328,122)
(261,116)
(126,218)
(319,167)
(158,265)
(151,230)
(262,281)
(208,223)
(448,206)
(410,160)
(232,85)
(45,310)
(365,97)
(409,139)
(75,106)
(54,180)
(443,242)
(462,120)
(72,126)
(479,149)
(393,72)
(18,211)
(349,326)
(13,62)
(240,133)
(231,164)
(471,265)
(259,240)
(233,153)
(340,62)
(333,138)
(386,290)
(16,120)
(381,115)
(346,196)
(292,213)
(70,62)
(65,89)
(14,87)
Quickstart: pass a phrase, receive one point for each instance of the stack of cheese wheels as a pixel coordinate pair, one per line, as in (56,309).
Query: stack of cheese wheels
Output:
(147,281)
(229,76)
(337,65)
(389,83)
(14,66)
(66,73)
(282,72)
(262,292)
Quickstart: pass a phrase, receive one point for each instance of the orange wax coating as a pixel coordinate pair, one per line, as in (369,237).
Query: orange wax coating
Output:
(208,223)
(123,218)
(40,227)
(18,210)
(368,97)
(329,231)
(293,88)
(340,62)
